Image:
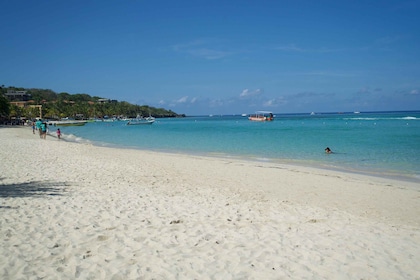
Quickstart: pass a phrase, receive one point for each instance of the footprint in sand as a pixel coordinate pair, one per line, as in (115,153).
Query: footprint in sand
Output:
(102,237)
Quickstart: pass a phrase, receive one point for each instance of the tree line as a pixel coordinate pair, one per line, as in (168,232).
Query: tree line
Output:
(81,105)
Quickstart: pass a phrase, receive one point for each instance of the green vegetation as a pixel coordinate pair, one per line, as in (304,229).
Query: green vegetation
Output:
(4,104)
(62,105)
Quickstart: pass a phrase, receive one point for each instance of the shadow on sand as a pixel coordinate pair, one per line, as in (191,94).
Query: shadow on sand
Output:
(35,188)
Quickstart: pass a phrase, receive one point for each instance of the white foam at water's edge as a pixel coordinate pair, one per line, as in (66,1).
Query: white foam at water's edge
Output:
(74,138)
(375,119)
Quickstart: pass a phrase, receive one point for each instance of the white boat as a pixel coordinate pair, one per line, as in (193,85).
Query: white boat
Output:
(141,120)
(67,123)
(261,116)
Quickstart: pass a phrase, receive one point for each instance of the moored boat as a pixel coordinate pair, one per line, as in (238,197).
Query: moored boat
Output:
(67,123)
(261,116)
(140,121)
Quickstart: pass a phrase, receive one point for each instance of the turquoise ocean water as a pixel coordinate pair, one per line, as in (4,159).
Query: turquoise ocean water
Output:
(383,144)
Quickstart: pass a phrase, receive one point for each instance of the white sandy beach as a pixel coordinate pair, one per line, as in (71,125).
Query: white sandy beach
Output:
(75,211)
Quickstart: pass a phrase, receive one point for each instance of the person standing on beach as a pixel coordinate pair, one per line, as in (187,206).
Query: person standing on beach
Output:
(43,130)
(38,126)
(33,127)
(58,133)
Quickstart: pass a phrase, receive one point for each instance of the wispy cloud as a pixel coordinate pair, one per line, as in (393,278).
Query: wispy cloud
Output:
(382,43)
(300,99)
(388,40)
(246,93)
(366,98)
(367,90)
(206,49)
(275,102)
(208,53)
(216,103)
(295,48)
(321,73)
(183,99)
(328,74)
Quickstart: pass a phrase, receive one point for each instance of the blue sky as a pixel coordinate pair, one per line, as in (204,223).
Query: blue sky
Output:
(218,57)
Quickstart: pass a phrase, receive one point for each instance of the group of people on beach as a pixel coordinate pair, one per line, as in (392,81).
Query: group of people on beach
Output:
(42,128)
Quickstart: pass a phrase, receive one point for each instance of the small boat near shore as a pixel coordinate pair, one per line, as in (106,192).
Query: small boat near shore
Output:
(261,116)
(141,121)
(67,123)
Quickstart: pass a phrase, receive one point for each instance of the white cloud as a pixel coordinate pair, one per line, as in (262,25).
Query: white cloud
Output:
(247,93)
(270,103)
(244,93)
(274,102)
(182,100)
(415,92)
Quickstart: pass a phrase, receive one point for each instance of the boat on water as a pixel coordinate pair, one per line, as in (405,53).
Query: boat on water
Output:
(261,116)
(141,121)
(67,123)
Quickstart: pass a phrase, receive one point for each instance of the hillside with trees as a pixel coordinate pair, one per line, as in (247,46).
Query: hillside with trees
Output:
(77,106)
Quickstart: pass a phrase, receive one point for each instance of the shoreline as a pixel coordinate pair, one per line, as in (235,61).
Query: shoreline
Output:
(304,168)
(73,210)
(351,169)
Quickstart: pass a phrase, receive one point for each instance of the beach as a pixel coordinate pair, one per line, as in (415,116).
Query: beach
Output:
(78,211)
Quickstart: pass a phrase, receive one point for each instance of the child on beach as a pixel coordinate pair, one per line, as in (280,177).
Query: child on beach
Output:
(58,133)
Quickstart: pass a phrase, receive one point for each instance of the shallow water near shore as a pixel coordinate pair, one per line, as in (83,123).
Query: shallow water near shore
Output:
(382,144)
